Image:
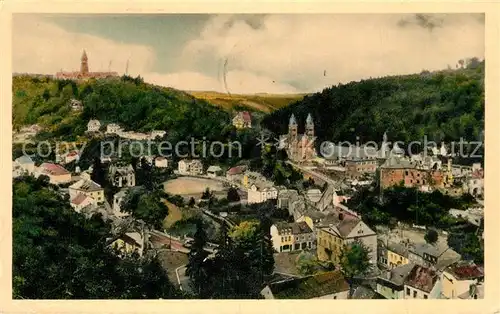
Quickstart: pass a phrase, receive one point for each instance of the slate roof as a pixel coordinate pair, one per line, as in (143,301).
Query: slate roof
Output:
(398,248)
(398,275)
(293,228)
(344,225)
(364,292)
(310,287)
(24,159)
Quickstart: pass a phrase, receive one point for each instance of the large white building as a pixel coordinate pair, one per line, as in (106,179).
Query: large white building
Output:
(190,167)
(261,192)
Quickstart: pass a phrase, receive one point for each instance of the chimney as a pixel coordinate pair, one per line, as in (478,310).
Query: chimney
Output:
(388,274)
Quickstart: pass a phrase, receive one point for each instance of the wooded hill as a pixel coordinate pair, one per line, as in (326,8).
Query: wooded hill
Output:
(443,105)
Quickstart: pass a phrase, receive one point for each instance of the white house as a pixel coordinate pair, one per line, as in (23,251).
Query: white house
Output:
(76,105)
(113,128)
(190,167)
(157,133)
(117,203)
(161,162)
(26,164)
(122,176)
(261,192)
(93,126)
(214,171)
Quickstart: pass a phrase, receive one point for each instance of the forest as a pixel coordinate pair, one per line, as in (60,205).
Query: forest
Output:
(444,106)
(135,105)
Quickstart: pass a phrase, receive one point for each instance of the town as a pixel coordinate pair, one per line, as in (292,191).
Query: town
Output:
(355,222)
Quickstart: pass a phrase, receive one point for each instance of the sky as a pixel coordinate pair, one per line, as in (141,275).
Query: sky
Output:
(287,53)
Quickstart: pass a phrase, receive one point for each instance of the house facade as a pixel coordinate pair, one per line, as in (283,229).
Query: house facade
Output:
(129,243)
(242,120)
(122,176)
(161,162)
(26,164)
(88,188)
(113,128)
(391,283)
(458,278)
(190,167)
(214,171)
(259,193)
(81,201)
(289,237)
(342,229)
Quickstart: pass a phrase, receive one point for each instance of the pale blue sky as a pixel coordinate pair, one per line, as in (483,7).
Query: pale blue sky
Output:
(258,53)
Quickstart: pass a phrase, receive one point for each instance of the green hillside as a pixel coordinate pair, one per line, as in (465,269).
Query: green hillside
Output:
(259,102)
(443,105)
(128,101)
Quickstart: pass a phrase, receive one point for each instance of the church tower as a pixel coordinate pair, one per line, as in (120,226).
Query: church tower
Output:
(309,127)
(292,129)
(84,67)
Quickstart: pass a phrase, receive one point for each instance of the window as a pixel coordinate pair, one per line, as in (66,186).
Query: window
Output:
(406,172)
(425,296)
(414,293)
(334,297)
(407,291)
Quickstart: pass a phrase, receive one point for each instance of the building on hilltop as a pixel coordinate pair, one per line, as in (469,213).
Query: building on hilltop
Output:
(243,120)
(84,73)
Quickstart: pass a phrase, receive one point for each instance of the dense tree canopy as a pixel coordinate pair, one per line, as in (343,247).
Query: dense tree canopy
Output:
(444,105)
(59,254)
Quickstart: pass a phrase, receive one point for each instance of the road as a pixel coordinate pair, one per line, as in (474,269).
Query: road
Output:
(313,173)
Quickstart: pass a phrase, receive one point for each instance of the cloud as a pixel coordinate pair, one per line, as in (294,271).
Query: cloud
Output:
(47,48)
(321,50)
(266,53)
(43,47)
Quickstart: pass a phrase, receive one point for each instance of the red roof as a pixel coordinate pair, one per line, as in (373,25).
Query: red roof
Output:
(54,169)
(79,199)
(478,174)
(237,170)
(466,271)
(246,116)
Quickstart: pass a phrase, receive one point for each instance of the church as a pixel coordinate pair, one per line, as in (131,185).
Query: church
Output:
(300,148)
(84,72)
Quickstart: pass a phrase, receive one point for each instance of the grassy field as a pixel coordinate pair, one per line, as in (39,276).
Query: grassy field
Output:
(258,102)
(174,215)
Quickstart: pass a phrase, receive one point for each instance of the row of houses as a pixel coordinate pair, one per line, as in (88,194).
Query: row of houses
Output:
(113,128)
(461,280)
